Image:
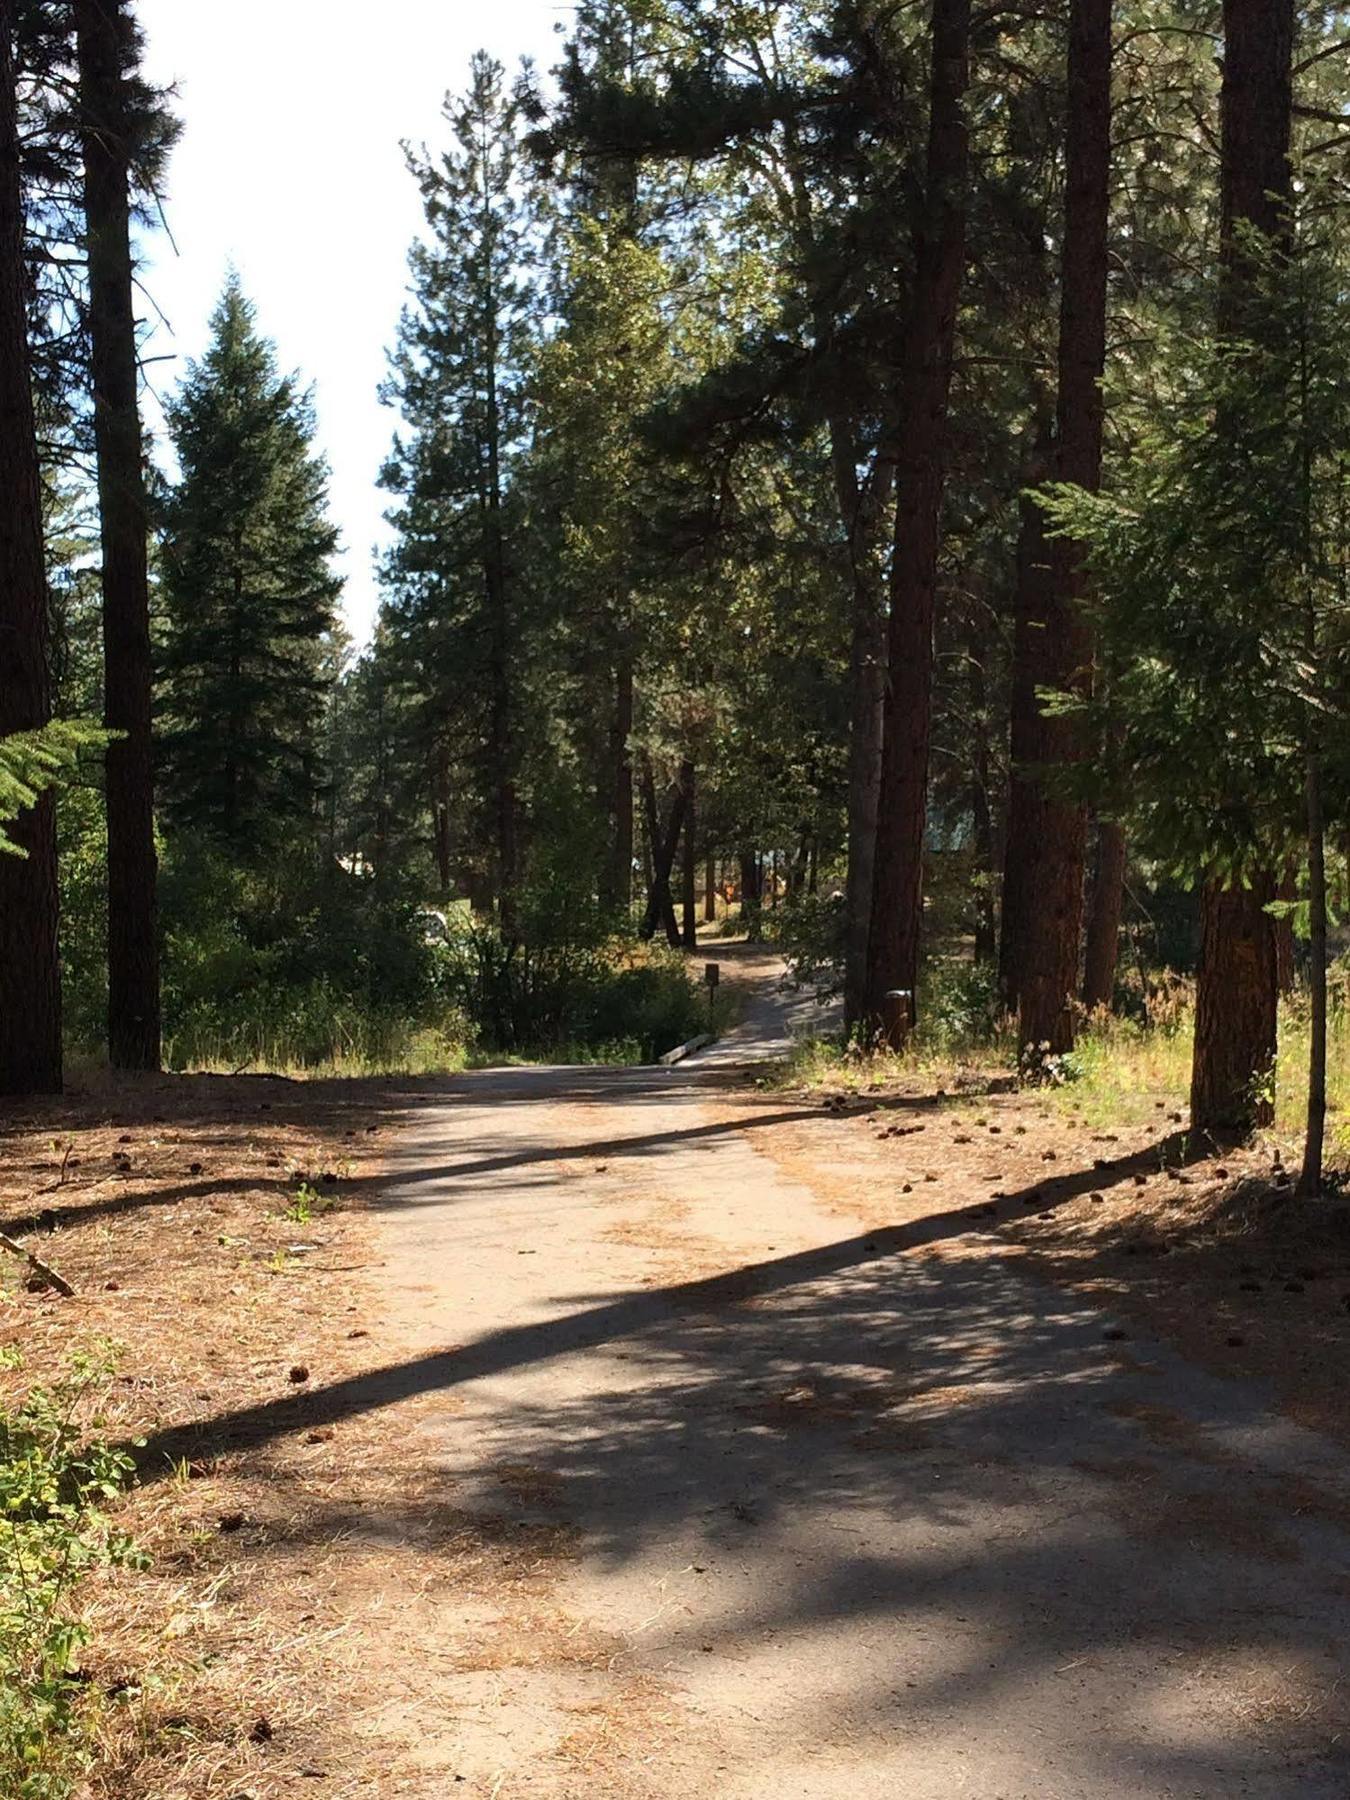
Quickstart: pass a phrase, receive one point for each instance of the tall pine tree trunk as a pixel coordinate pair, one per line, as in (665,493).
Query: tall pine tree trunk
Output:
(665,842)
(925,382)
(1237,990)
(1048,980)
(103,29)
(618,892)
(1235,1008)
(1030,606)
(752,895)
(30,976)
(981,810)
(710,890)
(689,872)
(1103,932)
(862,508)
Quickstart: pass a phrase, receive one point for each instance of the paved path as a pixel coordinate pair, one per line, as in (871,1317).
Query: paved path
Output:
(845,1517)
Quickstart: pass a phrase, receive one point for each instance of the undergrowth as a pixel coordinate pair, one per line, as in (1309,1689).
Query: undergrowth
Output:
(1120,1065)
(485,1003)
(57,1477)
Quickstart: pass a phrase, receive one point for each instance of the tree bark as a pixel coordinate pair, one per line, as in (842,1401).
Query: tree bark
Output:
(1236,1021)
(30,976)
(617,893)
(1103,933)
(751,896)
(103,31)
(710,890)
(1048,981)
(660,910)
(1235,1006)
(981,813)
(1030,608)
(925,383)
(689,877)
(862,508)
(1310,1177)
(1256,106)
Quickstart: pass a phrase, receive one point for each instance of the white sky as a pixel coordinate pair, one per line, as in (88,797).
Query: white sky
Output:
(289,166)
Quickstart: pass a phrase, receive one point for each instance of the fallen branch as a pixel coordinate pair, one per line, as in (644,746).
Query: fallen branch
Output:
(36,1264)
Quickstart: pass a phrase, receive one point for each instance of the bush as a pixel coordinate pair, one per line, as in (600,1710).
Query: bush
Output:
(580,999)
(302,967)
(809,932)
(305,966)
(54,1484)
(959,1007)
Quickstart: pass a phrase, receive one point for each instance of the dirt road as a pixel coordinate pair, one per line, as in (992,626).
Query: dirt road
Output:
(807,1511)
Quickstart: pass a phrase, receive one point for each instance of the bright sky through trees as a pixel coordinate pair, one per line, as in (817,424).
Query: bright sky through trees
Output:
(290,167)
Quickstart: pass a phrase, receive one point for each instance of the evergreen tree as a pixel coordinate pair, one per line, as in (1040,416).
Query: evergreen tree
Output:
(249,596)
(108,51)
(30,985)
(455,595)
(1047,831)
(923,394)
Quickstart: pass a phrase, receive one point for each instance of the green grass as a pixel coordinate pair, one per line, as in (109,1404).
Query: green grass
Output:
(313,1034)
(356,1048)
(58,1479)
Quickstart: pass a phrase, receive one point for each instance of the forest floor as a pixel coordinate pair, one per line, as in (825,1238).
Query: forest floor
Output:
(652,1432)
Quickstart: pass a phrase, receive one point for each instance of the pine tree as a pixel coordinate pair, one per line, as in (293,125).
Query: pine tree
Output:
(1047,831)
(108,51)
(30,984)
(924,388)
(1223,558)
(458,377)
(607,364)
(249,594)
(1237,993)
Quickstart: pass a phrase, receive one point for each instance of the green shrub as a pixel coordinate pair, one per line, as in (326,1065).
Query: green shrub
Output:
(575,1000)
(55,1481)
(809,933)
(84,915)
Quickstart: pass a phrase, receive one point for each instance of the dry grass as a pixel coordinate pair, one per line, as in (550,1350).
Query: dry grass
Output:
(1117,1071)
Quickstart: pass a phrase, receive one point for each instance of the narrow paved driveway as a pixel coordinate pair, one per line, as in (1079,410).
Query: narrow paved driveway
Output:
(825,1514)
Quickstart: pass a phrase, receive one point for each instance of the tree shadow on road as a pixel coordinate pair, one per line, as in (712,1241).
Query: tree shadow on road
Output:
(950,1498)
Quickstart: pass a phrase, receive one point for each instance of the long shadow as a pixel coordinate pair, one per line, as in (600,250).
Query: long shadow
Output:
(629,1315)
(113,1206)
(394,1183)
(925,1504)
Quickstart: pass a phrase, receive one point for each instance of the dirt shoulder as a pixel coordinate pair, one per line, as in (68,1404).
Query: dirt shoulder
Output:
(213,1229)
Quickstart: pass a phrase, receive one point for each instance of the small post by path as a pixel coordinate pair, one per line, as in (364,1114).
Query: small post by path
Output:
(712,975)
